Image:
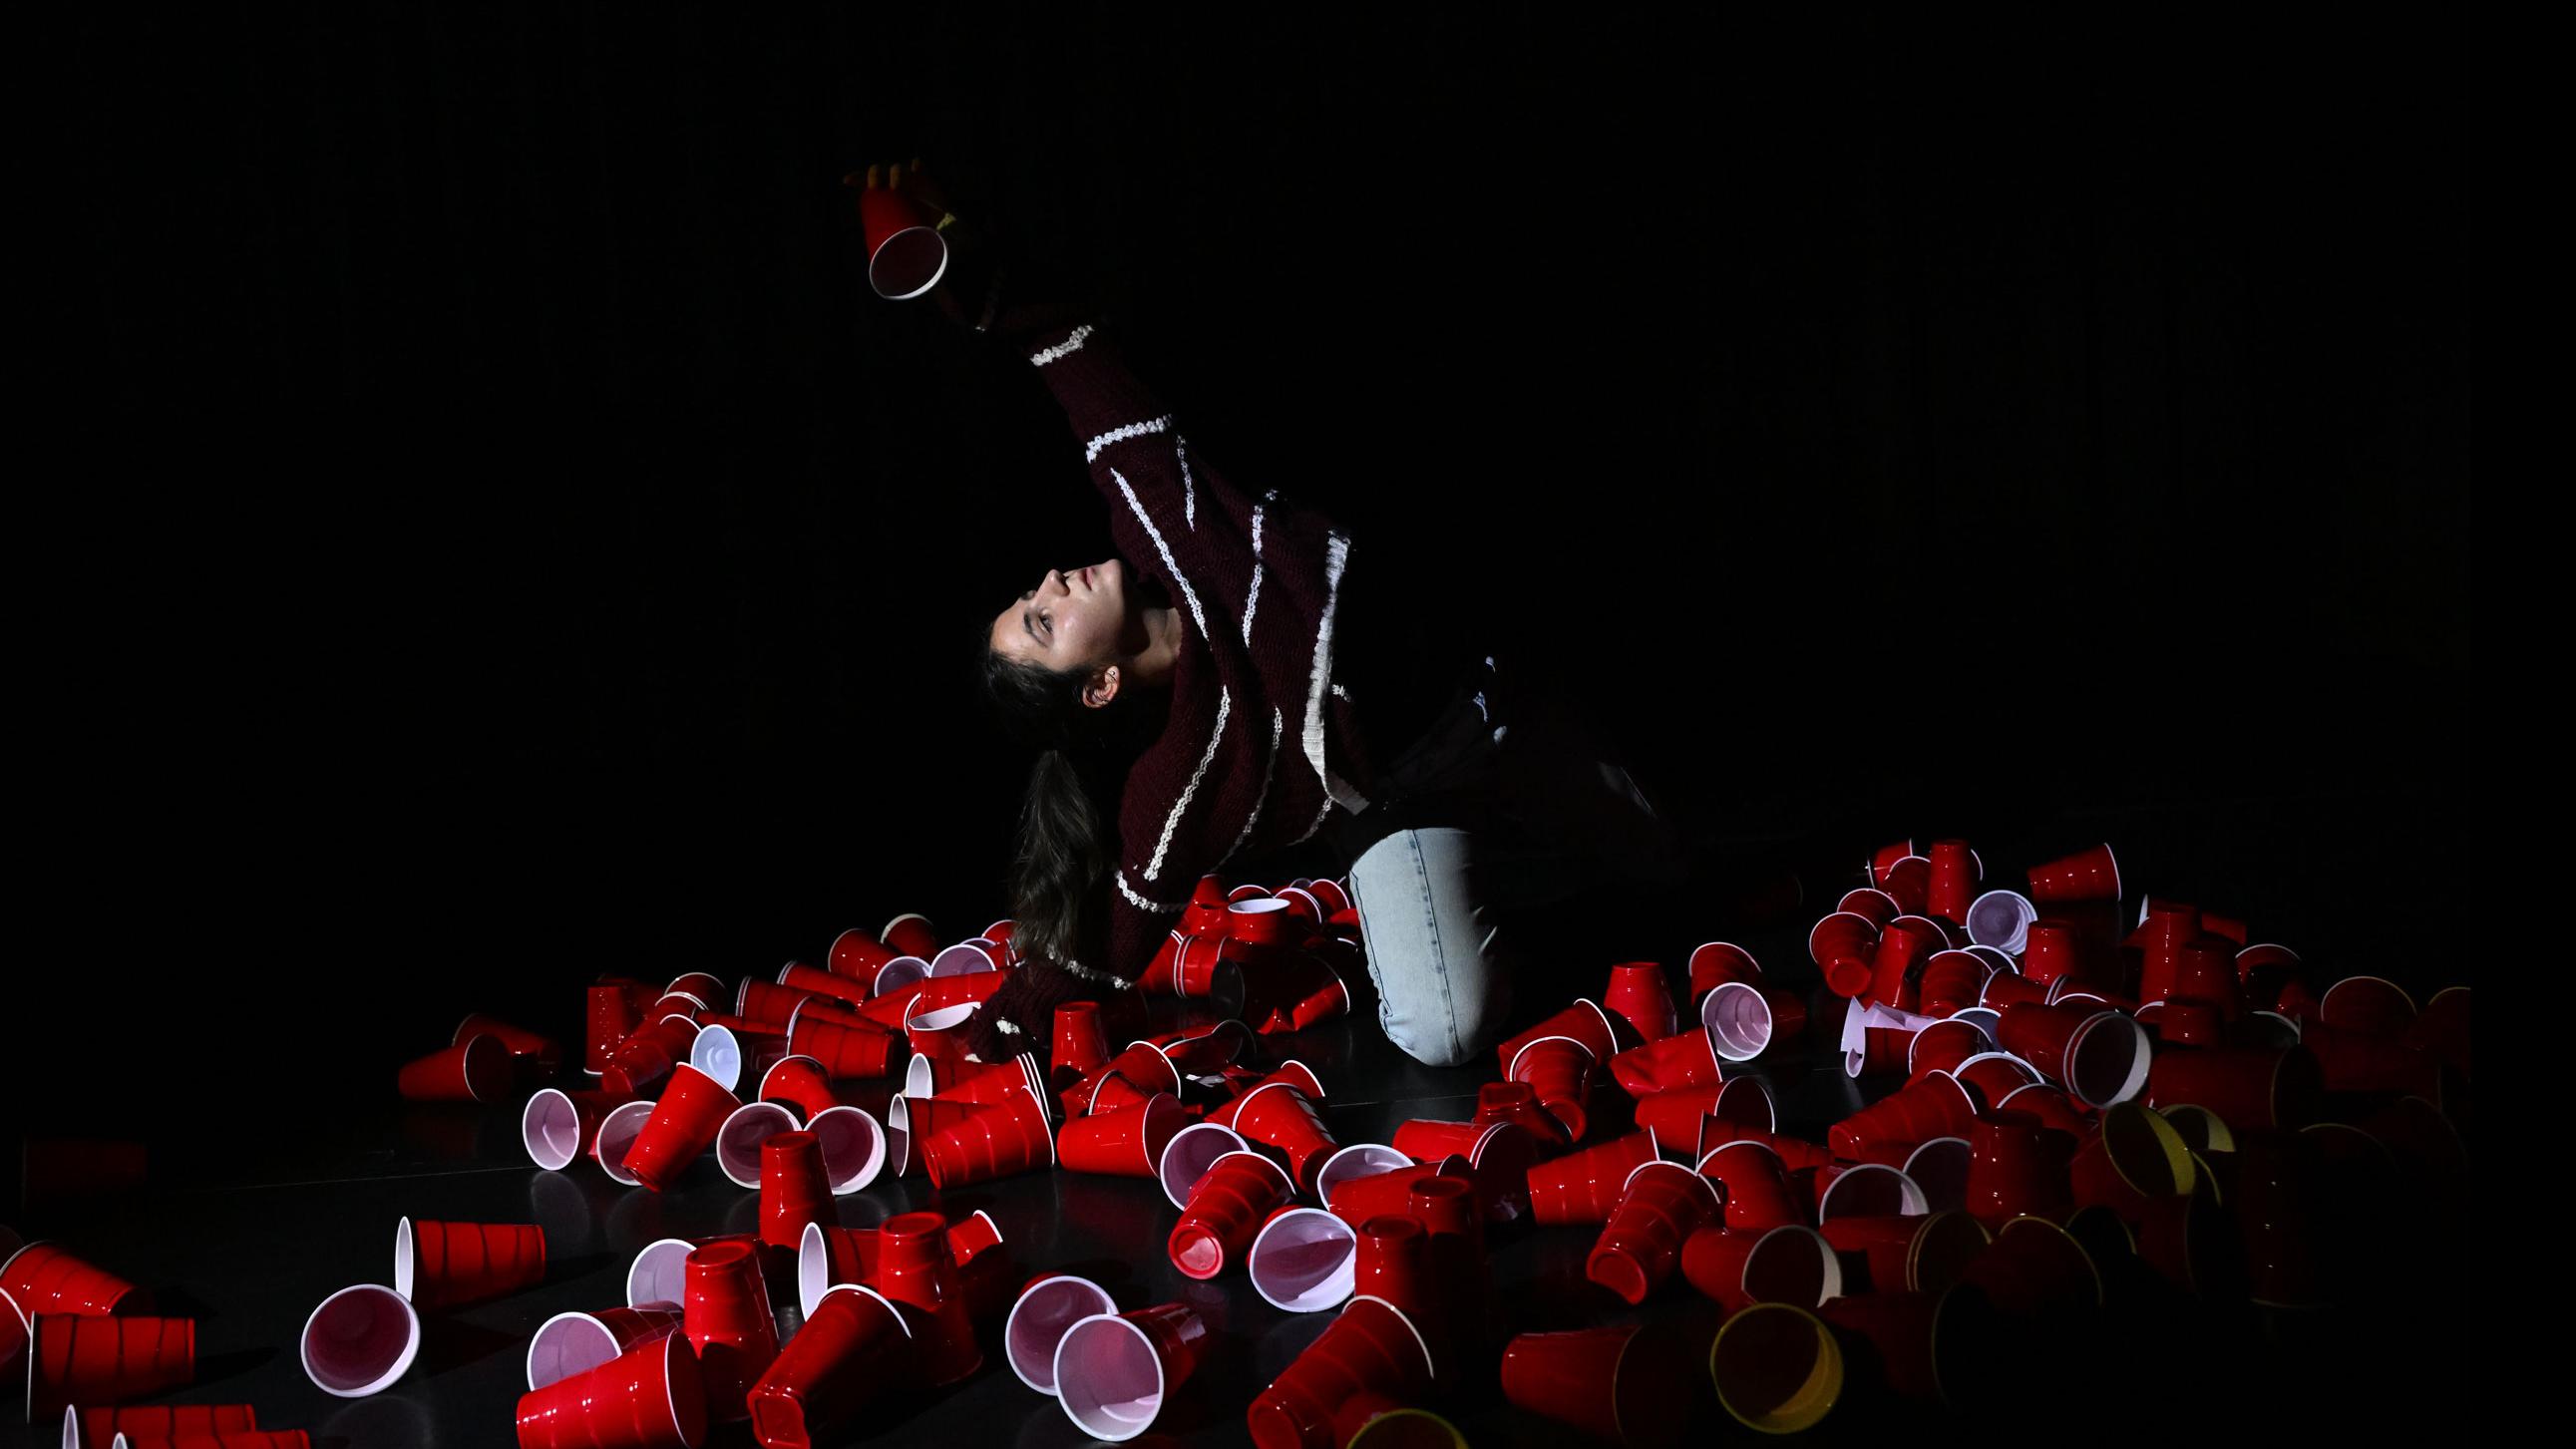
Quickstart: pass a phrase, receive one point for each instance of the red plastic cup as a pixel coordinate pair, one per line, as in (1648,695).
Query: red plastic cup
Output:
(1518,1104)
(2052,1107)
(610,1019)
(1129,1142)
(1080,1045)
(727,1320)
(1952,886)
(1994,1075)
(99,1427)
(43,1277)
(1622,1383)
(617,1133)
(1901,946)
(911,934)
(1909,884)
(2034,1270)
(1583,1187)
(1113,1371)
(572,1343)
(801,1083)
(736,1054)
(1758,1195)
(856,954)
(1045,1311)
(912,1121)
(1684,1059)
(917,1269)
(1791,1263)
(1934,1105)
(2100,1057)
(684,1124)
(1355,1200)
(1638,992)
(77,1356)
(992,1085)
(766,1003)
(1226,1211)
(1777,1368)
(2248,1088)
(448,1265)
(794,1188)
(1372,1349)
(659,1275)
(2087,875)
(853,1347)
(652,1397)
(829,1255)
(2017,1167)
(1425,1140)
(1281,1116)
(1898,1329)
(1842,945)
(359,1340)
(474,1070)
(557,1126)
(1585,1022)
(2136,1160)
(649,1054)
(1559,1072)
(997,1142)
(1190,1153)
(1661,1204)
(844,1049)
(1944,1046)
(1292,1073)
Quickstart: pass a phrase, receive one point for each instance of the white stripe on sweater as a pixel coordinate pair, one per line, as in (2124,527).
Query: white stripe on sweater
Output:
(1066,348)
(1253,600)
(1189,487)
(1140,902)
(1169,565)
(1091,450)
(1269,767)
(1337,551)
(1172,821)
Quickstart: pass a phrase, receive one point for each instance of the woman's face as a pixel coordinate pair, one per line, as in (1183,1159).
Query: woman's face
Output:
(1071,620)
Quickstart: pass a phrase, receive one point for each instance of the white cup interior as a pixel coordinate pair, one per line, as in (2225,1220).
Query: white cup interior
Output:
(1108,1378)
(567,1344)
(716,1053)
(1304,1260)
(1361,1159)
(358,1341)
(1738,1020)
(551,1129)
(1038,1322)
(854,1147)
(617,1132)
(1872,1190)
(1191,1152)
(660,1274)
(1792,1264)
(738,1140)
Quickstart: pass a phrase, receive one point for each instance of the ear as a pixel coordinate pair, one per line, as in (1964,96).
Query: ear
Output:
(1102,689)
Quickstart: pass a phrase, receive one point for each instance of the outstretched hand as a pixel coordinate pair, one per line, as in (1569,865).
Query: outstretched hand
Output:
(966,290)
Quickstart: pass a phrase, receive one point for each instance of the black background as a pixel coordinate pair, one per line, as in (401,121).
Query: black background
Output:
(481,531)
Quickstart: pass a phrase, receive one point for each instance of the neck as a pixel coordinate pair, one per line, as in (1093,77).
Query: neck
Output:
(1162,650)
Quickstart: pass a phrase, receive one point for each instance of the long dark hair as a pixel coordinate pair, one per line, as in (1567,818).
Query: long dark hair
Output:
(1068,827)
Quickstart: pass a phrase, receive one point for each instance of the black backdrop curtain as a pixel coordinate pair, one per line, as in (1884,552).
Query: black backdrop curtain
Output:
(483,531)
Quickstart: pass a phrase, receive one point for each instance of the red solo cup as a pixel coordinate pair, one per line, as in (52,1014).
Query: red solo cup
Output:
(1582,1187)
(2017,1167)
(2087,875)
(1126,1143)
(940,1032)
(704,985)
(2001,919)
(1952,885)
(1993,1075)
(1015,1137)
(610,1019)
(1113,1371)
(1869,1189)
(1841,946)
(2100,1057)
(733,1055)
(2051,953)
(944,992)
(2006,989)
(1758,1196)
(2204,970)
(1940,1168)
(1716,1132)
(1744,1020)
(2442,1028)
(801,1083)
(854,1148)
(99,1427)
(557,1126)
(1265,920)
(794,1189)
(539,1056)
(2053,1108)
(2137,1158)
(1909,882)
(1361,1159)
(993,1084)
(1944,1046)
(659,1276)
(651,1397)
(617,1133)
(1674,1116)
(1901,946)
(1226,1211)
(1714,963)
(896,982)
(76,1356)
(1304,1260)
(2182,1023)
(1884,859)
(1585,1022)
(829,1255)
(448,1265)
(1143,1068)
(2354,1061)
(359,1341)
(745,1131)
(1516,1103)
(727,1320)
(1637,991)
(1190,1153)
(770,1004)
(1933,1106)
(1203,969)
(853,1347)
(1746,1102)
(1046,1309)
(2247,1088)
(1870,901)
(475,1070)
(1952,979)
(2033,1269)
(44,1278)
(1897,1330)
(1425,1140)
(856,954)
(684,1124)
(917,1269)
(1281,1116)
(1159,973)
(649,1054)
(1356,1200)
(910,933)
(912,1121)
(1291,1073)
(798,976)
(1791,1263)
(1559,1073)
(1199,1052)
(846,1050)
(572,1343)
(1621,1383)
(1080,1045)
(1661,1204)
(1777,1368)
(1372,1349)
(676,1003)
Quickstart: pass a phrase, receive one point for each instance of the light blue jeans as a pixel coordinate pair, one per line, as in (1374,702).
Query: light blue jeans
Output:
(1432,899)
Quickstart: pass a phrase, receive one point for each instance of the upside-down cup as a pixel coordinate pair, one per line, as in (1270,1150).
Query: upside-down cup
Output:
(1791,1263)
(684,1123)
(1902,945)
(1952,885)
(649,1054)
(801,1083)
(726,1318)
(1583,1187)
(794,1188)
(1113,1371)
(1684,1059)
(2017,1168)
(1011,1138)
(1226,1211)
(852,1348)
(2087,875)
(81,1356)
(1662,1204)
(476,1069)
(2100,1057)
(1283,1117)
(359,1340)
(1933,1105)
(449,1265)
(1585,1021)
(1638,992)
(572,1343)
(1758,1195)
(1715,962)
(1129,1142)
(651,1397)
(557,1126)
(1046,1310)
(1777,1368)
(609,1019)
(1081,1046)
(1953,979)
(1743,1020)
(44,1277)
(1372,1350)
(1621,1383)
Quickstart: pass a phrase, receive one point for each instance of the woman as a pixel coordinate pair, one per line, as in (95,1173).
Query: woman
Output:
(1241,680)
